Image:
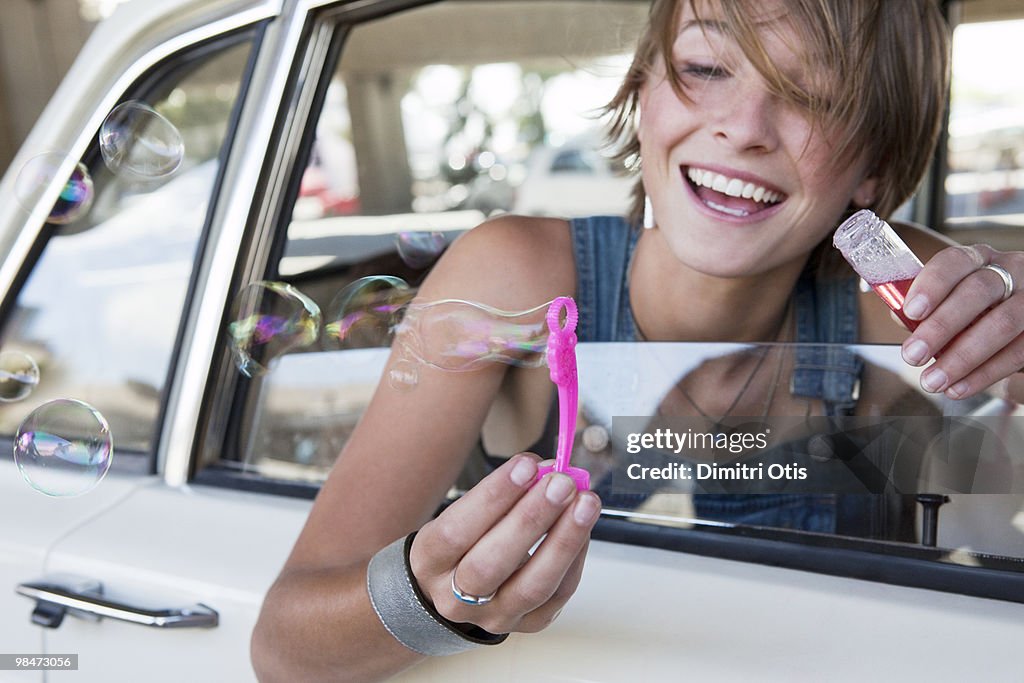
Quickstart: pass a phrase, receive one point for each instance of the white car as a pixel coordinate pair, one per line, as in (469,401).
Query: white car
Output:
(157,573)
(573,179)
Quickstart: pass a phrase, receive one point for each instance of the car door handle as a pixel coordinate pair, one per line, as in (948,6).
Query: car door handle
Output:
(53,601)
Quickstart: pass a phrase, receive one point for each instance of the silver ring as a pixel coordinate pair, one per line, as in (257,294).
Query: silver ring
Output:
(1005,276)
(469,598)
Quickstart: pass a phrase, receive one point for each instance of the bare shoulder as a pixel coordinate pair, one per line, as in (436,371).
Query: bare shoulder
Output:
(510,262)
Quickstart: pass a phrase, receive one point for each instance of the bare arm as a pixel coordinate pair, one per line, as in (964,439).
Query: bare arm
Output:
(317,622)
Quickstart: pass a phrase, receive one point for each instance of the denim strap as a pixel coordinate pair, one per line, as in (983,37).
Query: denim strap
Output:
(827,311)
(603,247)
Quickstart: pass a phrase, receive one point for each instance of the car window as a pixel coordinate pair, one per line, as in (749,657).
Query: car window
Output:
(100,306)
(984,183)
(411,146)
(441,133)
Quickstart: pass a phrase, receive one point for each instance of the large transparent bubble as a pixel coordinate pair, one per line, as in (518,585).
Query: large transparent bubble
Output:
(458,335)
(19,375)
(39,173)
(63,448)
(419,249)
(270,320)
(137,140)
(364,314)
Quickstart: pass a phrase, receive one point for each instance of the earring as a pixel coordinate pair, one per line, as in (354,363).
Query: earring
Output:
(648,214)
(866,199)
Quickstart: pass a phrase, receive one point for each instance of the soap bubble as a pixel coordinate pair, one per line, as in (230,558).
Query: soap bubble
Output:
(419,249)
(39,173)
(458,335)
(19,375)
(137,140)
(404,375)
(63,448)
(270,319)
(365,313)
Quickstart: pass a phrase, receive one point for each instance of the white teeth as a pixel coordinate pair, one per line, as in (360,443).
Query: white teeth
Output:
(734,187)
(726,209)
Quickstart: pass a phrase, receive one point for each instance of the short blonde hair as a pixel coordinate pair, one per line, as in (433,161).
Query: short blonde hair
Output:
(884,68)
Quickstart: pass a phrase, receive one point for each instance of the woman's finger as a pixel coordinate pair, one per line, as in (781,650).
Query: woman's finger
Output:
(977,302)
(452,533)
(543,616)
(529,599)
(1007,361)
(940,275)
(487,566)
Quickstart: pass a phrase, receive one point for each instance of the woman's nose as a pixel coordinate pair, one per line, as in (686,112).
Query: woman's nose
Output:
(747,119)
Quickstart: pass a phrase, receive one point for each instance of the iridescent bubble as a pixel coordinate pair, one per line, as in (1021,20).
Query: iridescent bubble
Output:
(364,314)
(404,375)
(458,335)
(135,139)
(19,375)
(420,249)
(63,448)
(270,319)
(39,173)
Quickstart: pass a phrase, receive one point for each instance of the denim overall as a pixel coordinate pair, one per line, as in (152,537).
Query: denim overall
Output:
(826,311)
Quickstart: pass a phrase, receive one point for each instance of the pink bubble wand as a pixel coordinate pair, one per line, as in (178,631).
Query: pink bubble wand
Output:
(561,354)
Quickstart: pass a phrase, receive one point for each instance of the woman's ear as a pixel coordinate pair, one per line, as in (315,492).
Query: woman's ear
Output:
(866,193)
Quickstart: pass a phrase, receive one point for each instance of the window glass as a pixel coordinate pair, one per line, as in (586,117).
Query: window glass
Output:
(985,182)
(474,109)
(442,130)
(100,309)
(466,114)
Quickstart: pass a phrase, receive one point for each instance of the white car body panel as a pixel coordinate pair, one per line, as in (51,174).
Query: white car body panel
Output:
(640,613)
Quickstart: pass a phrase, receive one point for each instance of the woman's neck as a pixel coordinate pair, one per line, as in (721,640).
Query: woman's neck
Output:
(672,302)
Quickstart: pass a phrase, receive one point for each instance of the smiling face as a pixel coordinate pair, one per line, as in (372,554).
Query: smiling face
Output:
(741,180)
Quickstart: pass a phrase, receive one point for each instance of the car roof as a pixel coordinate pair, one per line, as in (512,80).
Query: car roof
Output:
(118,51)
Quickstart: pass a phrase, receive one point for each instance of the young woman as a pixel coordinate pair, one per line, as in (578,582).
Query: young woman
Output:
(758,127)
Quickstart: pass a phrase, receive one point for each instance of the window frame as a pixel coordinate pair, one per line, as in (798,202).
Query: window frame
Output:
(322,40)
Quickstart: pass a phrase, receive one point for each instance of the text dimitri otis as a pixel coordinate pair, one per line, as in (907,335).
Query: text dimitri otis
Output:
(735,443)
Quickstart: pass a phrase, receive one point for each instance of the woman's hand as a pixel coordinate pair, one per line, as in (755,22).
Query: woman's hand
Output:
(484,539)
(965,319)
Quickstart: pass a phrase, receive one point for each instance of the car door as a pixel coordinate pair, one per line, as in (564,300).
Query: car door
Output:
(96,297)
(402,120)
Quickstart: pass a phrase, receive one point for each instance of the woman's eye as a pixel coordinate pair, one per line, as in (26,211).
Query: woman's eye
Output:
(704,72)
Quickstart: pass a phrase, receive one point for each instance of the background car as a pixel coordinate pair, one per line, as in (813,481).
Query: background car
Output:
(128,307)
(574,179)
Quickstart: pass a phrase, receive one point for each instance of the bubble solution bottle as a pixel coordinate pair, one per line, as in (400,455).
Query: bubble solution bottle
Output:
(880,257)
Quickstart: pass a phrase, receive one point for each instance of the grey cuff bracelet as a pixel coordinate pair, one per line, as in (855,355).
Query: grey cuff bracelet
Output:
(408,615)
